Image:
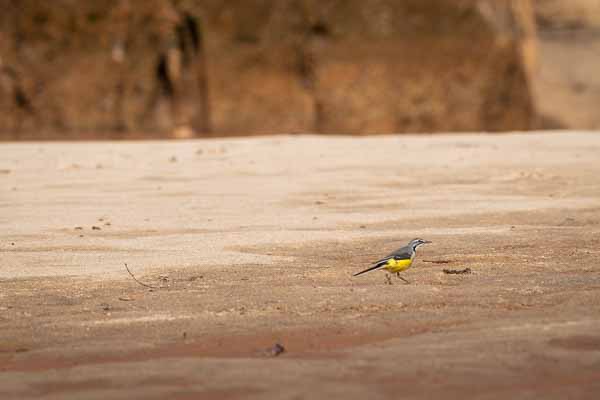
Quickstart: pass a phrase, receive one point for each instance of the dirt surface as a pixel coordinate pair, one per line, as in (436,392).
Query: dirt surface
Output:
(252,243)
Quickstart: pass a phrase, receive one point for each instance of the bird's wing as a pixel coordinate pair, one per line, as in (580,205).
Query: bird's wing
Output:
(403,253)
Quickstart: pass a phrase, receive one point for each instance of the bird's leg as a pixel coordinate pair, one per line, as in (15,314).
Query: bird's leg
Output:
(388,280)
(399,277)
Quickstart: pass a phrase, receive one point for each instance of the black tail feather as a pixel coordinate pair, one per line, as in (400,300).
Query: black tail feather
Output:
(378,265)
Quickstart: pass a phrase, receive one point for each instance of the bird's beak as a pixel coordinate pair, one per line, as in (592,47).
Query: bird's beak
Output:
(426,241)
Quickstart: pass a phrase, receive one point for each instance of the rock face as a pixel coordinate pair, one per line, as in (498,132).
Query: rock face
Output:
(568,14)
(72,69)
(129,69)
(567,86)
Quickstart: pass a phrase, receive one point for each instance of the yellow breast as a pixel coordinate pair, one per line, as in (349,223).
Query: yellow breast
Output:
(398,265)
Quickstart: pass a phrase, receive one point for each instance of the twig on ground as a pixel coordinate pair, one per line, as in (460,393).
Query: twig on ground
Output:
(135,279)
(438,261)
(458,271)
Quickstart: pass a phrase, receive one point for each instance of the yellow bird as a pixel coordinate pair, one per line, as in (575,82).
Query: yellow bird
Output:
(398,261)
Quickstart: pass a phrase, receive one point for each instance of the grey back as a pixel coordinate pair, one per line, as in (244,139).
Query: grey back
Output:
(401,254)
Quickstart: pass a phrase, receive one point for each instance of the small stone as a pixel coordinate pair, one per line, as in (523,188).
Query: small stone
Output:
(274,351)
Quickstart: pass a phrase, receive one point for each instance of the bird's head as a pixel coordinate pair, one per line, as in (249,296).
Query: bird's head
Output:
(417,242)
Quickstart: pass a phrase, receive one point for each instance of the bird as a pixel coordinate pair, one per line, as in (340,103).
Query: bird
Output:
(398,261)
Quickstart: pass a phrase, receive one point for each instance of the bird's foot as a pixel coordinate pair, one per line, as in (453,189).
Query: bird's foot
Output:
(388,279)
(399,277)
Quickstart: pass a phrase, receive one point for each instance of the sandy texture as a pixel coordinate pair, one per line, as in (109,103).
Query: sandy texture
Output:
(253,242)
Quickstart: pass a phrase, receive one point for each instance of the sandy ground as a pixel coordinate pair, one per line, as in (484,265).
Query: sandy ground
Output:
(252,242)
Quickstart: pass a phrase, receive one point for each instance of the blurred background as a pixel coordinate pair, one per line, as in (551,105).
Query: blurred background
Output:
(123,69)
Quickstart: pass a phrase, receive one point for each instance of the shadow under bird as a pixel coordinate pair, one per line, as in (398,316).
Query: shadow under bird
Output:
(398,261)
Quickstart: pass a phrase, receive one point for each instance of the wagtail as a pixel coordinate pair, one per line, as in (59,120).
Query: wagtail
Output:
(398,261)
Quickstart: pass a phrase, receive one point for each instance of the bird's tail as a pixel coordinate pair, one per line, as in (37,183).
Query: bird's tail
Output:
(378,265)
